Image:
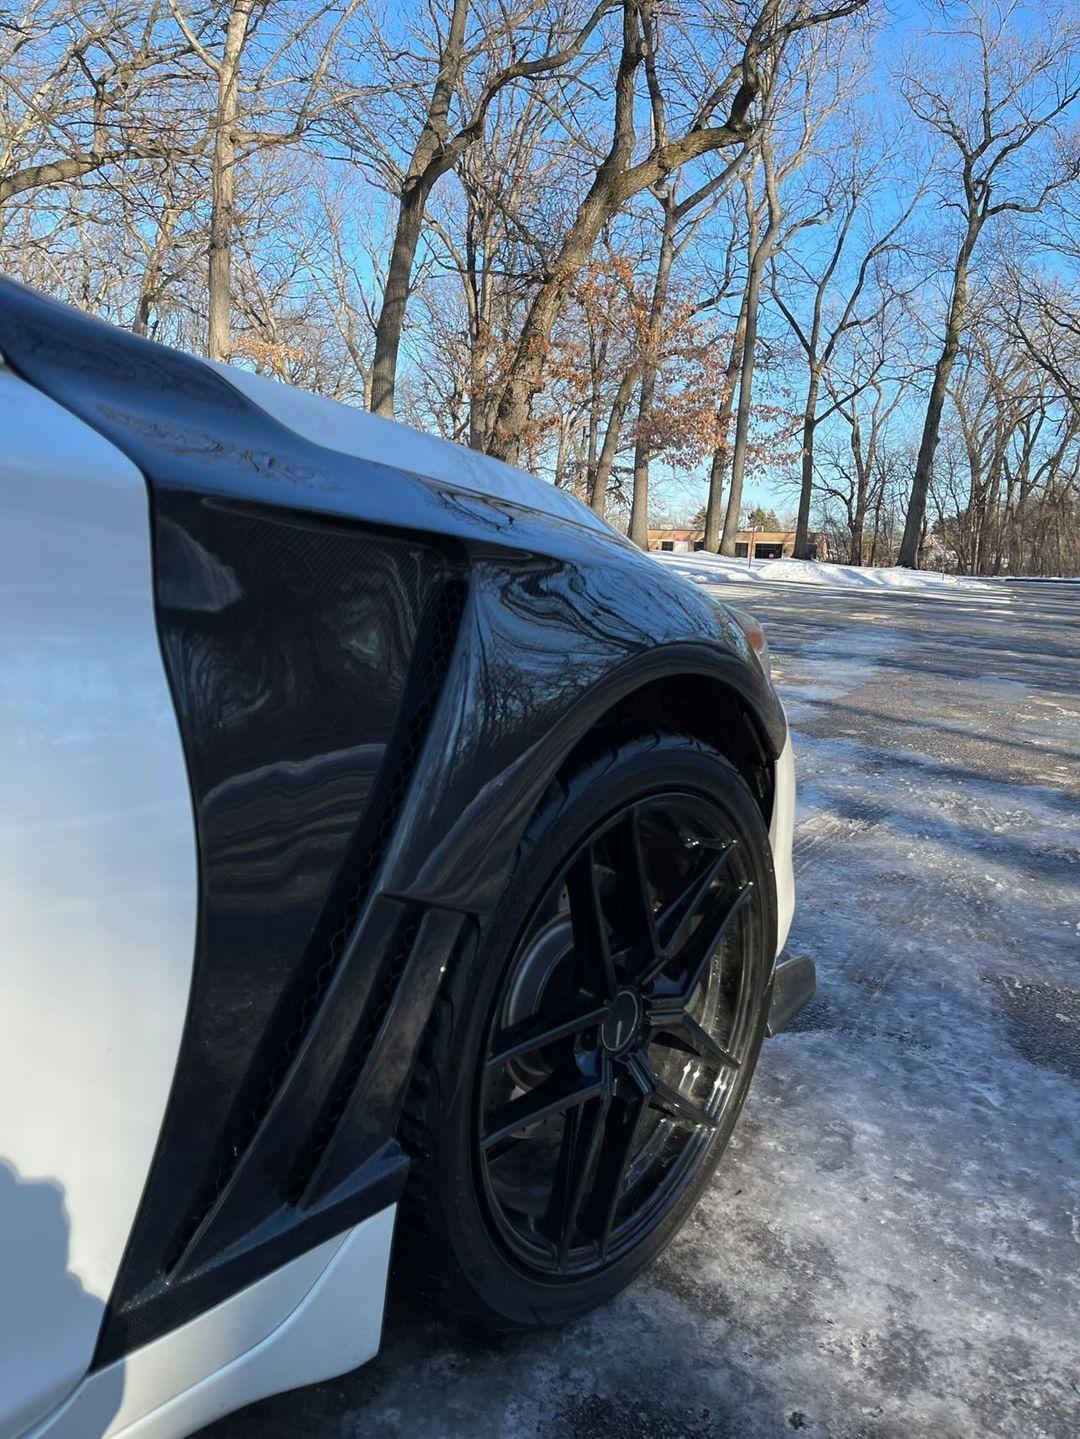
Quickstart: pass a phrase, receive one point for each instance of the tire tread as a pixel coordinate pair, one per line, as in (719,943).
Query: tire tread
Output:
(424,1261)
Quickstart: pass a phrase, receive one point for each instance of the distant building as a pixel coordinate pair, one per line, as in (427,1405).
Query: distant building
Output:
(768,544)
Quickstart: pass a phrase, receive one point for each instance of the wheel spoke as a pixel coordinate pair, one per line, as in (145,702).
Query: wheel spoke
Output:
(676,1106)
(495,1151)
(634,922)
(582,1135)
(616,1150)
(676,921)
(670,1102)
(675,925)
(553,1096)
(540,1030)
(681,1031)
(710,936)
(592,951)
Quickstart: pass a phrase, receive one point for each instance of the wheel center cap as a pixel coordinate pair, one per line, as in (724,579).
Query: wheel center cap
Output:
(621,1022)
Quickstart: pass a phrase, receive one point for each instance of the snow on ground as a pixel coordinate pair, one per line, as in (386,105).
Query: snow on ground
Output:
(717,569)
(890,1248)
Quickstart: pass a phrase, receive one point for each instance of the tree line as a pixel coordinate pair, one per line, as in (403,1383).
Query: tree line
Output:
(623,243)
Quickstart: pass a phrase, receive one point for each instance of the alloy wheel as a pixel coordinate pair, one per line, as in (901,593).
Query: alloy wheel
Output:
(617,1039)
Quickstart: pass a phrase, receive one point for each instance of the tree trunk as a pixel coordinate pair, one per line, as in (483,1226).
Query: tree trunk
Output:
(914,524)
(742,419)
(650,372)
(223,185)
(806,488)
(862,477)
(430,161)
(639,503)
(561,452)
(878,506)
(721,454)
(410,221)
(609,449)
(762,249)
(150,283)
(858,529)
(592,445)
(222,203)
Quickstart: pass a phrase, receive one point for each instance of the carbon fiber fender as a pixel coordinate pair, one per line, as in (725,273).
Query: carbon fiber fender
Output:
(376,674)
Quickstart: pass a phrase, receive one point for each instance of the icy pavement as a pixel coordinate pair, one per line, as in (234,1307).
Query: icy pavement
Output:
(891,1246)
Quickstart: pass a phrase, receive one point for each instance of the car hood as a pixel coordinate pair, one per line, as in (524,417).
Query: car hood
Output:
(365,436)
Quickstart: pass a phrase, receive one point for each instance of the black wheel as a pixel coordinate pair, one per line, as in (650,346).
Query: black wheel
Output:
(590,1053)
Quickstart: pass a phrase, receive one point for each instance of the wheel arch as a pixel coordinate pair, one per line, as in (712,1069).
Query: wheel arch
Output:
(704,706)
(698,688)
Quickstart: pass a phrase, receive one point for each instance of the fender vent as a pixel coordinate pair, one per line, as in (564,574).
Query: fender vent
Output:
(363,1042)
(436,637)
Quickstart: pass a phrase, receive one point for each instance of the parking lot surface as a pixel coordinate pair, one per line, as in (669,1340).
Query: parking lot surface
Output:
(891,1246)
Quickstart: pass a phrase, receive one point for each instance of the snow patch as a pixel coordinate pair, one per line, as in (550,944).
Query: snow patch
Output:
(718,569)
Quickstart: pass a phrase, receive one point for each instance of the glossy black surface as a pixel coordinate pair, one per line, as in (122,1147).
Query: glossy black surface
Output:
(614,1046)
(291,648)
(794,986)
(376,677)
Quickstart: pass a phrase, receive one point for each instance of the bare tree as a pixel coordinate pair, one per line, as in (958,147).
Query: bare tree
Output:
(765,229)
(83,90)
(761,244)
(845,283)
(606,328)
(506,46)
(648,372)
(722,449)
(274,106)
(160,211)
(998,139)
(1016,434)
(483,252)
(858,479)
(679,225)
(1038,277)
(619,177)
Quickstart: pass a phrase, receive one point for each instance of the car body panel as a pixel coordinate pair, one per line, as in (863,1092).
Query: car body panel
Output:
(291,650)
(368,437)
(368,653)
(781,840)
(313,1319)
(97,887)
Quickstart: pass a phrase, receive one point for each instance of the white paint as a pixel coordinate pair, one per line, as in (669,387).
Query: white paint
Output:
(97,888)
(364,435)
(315,1318)
(781,838)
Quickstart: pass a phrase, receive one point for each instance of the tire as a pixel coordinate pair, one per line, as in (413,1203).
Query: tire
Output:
(491,1249)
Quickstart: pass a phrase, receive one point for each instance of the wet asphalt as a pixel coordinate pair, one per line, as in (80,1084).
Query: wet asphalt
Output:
(891,1245)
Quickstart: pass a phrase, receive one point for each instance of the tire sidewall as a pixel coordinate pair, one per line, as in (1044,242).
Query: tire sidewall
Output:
(564,821)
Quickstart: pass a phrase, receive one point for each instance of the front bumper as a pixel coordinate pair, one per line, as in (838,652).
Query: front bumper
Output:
(795,979)
(781,836)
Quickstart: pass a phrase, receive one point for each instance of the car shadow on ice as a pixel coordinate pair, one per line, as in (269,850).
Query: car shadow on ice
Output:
(37,1287)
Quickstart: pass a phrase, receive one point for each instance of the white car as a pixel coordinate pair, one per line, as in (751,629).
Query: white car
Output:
(385,845)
